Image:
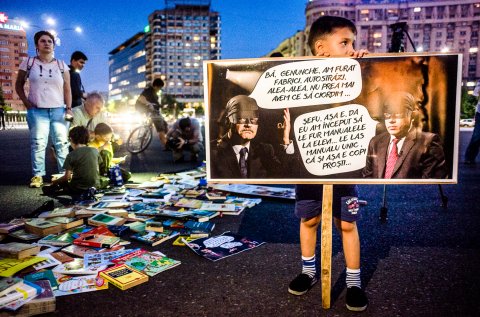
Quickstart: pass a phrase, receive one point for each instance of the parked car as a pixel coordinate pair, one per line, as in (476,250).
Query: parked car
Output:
(467,123)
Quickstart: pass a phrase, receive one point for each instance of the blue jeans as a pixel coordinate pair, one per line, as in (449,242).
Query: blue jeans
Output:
(472,149)
(42,124)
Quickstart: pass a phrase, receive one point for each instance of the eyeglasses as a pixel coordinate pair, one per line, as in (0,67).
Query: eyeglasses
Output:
(394,116)
(247,121)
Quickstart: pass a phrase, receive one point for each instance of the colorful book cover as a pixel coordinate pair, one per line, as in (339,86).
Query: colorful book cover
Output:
(217,207)
(153,238)
(43,303)
(180,240)
(22,294)
(123,276)
(147,262)
(9,267)
(189,203)
(105,220)
(97,241)
(76,267)
(103,258)
(8,284)
(222,246)
(49,262)
(43,275)
(71,285)
(199,227)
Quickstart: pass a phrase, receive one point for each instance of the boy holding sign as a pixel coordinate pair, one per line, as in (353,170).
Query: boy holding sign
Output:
(330,37)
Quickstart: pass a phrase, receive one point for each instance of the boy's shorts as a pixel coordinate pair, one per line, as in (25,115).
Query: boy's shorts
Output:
(308,202)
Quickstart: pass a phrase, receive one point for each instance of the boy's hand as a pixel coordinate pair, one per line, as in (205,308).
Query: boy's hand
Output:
(359,53)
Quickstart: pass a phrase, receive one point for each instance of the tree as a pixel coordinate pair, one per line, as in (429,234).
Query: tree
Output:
(467,104)
(170,105)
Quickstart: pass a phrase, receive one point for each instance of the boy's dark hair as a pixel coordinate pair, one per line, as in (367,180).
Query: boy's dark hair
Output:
(39,34)
(326,25)
(158,83)
(184,123)
(103,129)
(78,55)
(79,135)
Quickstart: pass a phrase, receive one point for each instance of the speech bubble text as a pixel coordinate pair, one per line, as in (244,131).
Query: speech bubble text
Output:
(313,82)
(334,140)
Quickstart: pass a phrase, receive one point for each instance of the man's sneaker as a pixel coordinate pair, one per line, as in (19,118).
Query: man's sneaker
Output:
(301,284)
(356,299)
(36,182)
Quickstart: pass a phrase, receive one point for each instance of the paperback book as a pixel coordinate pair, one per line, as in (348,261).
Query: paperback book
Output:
(76,267)
(46,275)
(147,262)
(42,227)
(8,284)
(18,250)
(20,295)
(13,225)
(105,220)
(41,304)
(71,285)
(153,238)
(9,266)
(222,246)
(123,276)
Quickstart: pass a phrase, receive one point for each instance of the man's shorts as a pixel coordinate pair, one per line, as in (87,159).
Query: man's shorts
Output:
(159,123)
(345,206)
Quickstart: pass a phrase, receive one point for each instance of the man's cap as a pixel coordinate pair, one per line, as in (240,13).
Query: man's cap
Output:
(241,106)
(399,101)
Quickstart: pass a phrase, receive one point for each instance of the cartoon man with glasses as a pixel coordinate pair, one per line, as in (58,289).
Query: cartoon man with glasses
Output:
(238,155)
(404,151)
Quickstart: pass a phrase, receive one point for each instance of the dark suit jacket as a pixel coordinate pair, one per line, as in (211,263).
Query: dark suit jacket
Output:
(262,161)
(421,157)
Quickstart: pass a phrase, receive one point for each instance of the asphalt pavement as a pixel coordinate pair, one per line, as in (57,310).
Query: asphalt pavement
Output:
(423,261)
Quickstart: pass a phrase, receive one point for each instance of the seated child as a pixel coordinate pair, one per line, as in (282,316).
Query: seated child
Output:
(102,141)
(81,176)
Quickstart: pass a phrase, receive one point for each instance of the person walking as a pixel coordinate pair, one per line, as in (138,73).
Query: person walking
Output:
(49,100)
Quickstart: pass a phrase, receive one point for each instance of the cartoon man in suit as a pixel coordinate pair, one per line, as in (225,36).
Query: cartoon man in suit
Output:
(238,155)
(404,152)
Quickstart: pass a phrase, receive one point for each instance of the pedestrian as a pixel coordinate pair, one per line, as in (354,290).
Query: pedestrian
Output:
(473,147)
(49,101)
(77,62)
(330,36)
(185,135)
(147,103)
(82,177)
(2,117)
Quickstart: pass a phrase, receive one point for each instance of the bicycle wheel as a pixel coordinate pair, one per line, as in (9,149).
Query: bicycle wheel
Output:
(139,139)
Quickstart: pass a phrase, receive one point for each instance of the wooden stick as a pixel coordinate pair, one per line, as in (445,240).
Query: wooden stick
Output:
(326,255)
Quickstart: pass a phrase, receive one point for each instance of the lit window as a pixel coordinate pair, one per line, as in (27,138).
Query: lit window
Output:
(473,50)
(417,9)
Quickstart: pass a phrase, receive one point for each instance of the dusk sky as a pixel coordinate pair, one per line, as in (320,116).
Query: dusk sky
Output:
(250,28)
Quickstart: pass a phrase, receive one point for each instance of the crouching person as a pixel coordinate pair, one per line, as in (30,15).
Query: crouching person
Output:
(185,135)
(102,141)
(82,177)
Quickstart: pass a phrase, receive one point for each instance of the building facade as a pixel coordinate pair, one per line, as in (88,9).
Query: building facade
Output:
(181,36)
(13,49)
(431,26)
(127,69)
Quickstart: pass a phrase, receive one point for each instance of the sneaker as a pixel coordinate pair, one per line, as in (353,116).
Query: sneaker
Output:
(356,299)
(301,284)
(36,182)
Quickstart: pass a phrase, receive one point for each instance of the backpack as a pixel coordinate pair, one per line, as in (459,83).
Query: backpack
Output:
(29,67)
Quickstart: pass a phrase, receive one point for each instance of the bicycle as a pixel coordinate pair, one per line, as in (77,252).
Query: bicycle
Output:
(141,137)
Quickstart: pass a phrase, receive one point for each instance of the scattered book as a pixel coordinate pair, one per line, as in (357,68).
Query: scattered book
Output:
(77,250)
(111,204)
(199,229)
(49,262)
(189,203)
(77,267)
(102,258)
(58,212)
(13,225)
(71,285)
(222,246)
(42,227)
(123,276)
(43,275)
(152,225)
(153,238)
(218,207)
(20,295)
(105,220)
(213,194)
(41,304)
(67,222)
(149,263)
(202,215)
(57,239)
(96,240)
(180,240)
(62,256)
(136,226)
(8,284)
(9,266)
(18,250)
(117,212)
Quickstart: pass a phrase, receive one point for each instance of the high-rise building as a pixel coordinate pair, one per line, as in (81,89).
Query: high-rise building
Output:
(181,36)
(126,67)
(421,25)
(13,49)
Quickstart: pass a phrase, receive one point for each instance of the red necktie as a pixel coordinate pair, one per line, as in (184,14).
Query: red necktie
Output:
(392,159)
